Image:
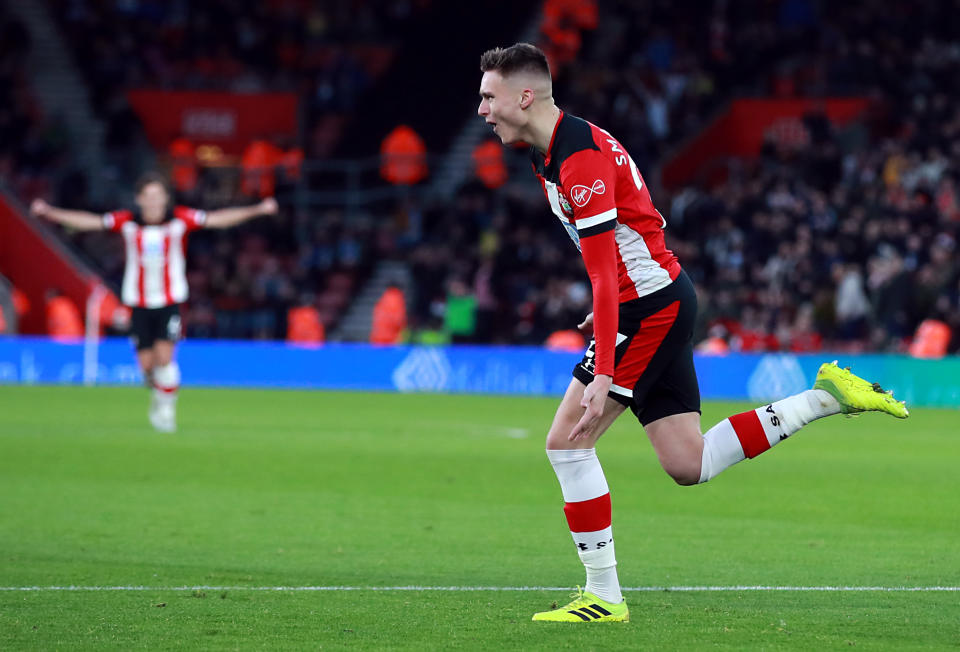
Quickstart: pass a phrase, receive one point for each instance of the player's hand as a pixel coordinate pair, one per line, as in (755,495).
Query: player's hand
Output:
(269,206)
(586,326)
(38,208)
(594,396)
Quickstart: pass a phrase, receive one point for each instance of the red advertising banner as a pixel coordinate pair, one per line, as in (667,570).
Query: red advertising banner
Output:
(35,265)
(228,120)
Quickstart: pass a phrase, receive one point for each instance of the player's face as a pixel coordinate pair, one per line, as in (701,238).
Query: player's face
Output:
(500,107)
(152,200)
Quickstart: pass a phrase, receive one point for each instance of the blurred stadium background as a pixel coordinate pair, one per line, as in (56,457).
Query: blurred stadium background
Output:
(804,153)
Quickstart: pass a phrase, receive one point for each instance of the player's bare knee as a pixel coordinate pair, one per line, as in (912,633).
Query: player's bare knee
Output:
(683,468)
(682,473)
(685,477)
(557,439)
(162,355)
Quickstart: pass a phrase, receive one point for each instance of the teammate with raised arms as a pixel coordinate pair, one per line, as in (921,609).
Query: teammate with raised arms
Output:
(154,277)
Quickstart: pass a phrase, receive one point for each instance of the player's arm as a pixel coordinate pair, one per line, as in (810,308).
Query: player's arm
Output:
(226,217)
(590,180)
(80,220)
(600,258)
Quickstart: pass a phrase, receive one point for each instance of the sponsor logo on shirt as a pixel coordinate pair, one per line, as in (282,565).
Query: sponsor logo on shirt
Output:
(581,195)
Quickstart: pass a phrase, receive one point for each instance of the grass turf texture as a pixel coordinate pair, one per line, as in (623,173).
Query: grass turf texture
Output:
(347,489)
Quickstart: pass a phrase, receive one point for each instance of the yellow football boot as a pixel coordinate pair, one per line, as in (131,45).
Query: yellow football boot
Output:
(855,394)
(586,608)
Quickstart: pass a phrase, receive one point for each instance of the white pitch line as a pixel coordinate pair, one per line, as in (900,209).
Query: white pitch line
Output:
(646,589)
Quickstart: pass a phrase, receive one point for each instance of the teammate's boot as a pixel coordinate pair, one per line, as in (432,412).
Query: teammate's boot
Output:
(163,413)
(168,418)
(586,608)
(154,412)
(855,394)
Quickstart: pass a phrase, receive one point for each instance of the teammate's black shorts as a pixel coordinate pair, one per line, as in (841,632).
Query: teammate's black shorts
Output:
(147,325)
(653,366)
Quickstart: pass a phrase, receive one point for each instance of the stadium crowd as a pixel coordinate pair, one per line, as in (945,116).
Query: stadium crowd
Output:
(329,53)
(845,239)
(243,282)
(842,239)
(33,147)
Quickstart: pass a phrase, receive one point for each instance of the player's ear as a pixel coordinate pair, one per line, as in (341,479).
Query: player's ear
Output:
(526,98)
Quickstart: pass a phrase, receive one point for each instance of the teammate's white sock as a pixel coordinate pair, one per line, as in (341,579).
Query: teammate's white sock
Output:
(587,508)
(751,433)
(166,378)
(163,411)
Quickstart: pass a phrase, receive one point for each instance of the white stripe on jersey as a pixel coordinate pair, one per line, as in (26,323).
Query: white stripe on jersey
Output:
(646,273)
(155,262)
(599,218)
(176,262)
(130,291)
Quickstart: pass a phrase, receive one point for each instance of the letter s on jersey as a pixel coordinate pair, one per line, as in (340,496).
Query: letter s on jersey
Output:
(581,195)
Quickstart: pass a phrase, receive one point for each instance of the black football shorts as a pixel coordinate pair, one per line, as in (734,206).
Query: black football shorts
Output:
(147,325)
(653,366)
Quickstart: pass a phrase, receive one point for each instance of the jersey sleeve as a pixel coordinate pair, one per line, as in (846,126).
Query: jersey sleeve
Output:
(589,180)
(114,220)
(192,217)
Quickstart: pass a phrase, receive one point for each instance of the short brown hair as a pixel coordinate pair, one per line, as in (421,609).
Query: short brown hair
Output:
(151,177)
(521,57)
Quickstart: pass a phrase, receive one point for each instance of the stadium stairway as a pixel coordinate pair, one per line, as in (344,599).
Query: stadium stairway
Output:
(457,164)
(60,89)
(356,324)
(434,78)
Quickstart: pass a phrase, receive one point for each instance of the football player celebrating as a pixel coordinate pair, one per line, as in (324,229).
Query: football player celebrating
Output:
(154,277)
(644,307)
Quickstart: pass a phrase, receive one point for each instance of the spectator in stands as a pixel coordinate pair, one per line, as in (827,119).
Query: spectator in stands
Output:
(303,323)
(63,317)
(403,157)
(389,317)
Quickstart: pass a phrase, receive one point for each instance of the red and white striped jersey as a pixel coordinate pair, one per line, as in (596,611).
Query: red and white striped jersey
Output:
(593,186)
(155,272)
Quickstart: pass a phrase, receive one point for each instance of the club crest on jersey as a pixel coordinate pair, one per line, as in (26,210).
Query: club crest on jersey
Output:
(565,205)
(581,195)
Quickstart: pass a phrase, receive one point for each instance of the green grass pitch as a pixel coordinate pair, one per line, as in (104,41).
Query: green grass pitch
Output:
(263,489)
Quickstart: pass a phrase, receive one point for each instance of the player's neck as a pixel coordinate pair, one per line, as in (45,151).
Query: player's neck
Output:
(542,128)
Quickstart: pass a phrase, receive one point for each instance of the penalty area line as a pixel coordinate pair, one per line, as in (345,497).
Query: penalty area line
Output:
(636,589)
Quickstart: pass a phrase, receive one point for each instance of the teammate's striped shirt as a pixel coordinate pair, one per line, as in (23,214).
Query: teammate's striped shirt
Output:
(594,188)
(155,272)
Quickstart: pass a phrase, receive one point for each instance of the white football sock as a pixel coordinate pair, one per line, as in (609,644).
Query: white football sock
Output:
(751,433)
(587,508)
(166,378)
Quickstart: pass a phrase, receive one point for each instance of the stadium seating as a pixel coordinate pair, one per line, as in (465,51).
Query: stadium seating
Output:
(831,238)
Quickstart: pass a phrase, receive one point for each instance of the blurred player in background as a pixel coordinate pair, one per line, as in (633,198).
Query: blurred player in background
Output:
(644,307)
(154,277)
